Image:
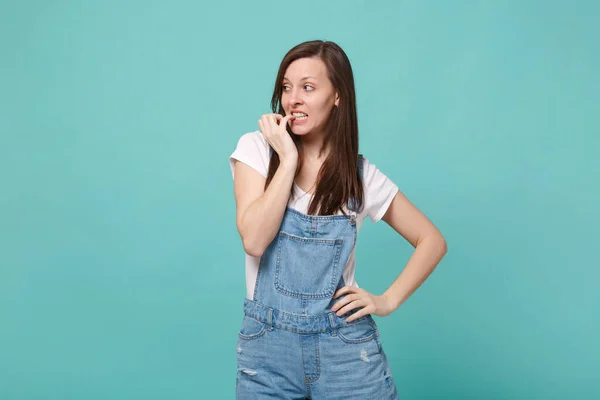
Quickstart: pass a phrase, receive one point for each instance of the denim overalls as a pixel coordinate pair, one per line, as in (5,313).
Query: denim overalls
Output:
(291,345)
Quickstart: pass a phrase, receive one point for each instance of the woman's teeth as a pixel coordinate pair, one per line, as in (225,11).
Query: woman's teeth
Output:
(300,115)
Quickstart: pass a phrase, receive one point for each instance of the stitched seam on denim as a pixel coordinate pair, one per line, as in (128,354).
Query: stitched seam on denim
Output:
(355,341)
(303,370)
(305,317)
(277,260)
(317,296)
(337,243)
(256,282)
(336,263)
(329,242)
(297,316)
(332,323)
(255,335)
(252,337)
(284,328)
(324,330)
(378,341)
(318,374)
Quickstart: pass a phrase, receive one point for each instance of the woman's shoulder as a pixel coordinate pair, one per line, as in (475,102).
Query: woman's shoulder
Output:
(253,138)
(252,149)
(379,190)
(371,173)
(368,169)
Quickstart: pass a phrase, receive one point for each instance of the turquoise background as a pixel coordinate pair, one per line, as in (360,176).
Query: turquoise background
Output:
(121,270)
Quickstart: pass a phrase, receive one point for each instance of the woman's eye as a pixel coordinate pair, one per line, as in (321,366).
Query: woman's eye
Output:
(286,87)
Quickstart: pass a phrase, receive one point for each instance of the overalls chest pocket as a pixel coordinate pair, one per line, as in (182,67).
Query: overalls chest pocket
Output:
(307,268)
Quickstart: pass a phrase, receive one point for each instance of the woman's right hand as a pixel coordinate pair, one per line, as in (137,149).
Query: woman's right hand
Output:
(273,128)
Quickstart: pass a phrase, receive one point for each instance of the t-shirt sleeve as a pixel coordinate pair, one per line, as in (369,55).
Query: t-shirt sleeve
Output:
(253,150)
(379,191)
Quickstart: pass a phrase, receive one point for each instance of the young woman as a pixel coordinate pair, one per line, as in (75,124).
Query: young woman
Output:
(302,191)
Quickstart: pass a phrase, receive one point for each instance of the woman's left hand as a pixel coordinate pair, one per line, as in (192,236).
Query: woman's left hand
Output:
(358,297)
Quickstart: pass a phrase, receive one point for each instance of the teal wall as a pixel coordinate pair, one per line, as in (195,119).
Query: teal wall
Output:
(121,270)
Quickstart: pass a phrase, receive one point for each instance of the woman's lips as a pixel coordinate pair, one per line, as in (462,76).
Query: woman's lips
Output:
(297,121)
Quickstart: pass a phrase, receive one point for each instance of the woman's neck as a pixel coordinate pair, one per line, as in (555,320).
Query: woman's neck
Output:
(311,147)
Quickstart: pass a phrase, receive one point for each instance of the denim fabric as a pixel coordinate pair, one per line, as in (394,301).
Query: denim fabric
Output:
(291,345)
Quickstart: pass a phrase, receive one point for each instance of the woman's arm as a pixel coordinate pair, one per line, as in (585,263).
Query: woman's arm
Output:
(430,247)
(259,212)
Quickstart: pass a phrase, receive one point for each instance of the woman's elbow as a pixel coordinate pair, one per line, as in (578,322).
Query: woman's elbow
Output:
(251,248)
(443,245)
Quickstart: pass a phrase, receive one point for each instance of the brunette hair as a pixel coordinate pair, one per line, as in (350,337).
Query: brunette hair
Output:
(338,180)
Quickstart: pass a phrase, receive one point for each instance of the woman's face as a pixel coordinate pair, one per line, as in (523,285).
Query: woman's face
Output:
(307,89)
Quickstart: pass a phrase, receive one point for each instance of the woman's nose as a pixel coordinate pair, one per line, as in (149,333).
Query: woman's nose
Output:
(296,95)
(294,99)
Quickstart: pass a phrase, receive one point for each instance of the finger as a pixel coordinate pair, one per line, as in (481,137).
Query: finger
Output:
(286,119)
(340,292)
(260,126)
(265,123)
(272,121)
(343,302)
(357,315)
(349,307)
(345,289)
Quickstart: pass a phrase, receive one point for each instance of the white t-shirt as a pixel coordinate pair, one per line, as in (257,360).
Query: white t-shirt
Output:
(253,149)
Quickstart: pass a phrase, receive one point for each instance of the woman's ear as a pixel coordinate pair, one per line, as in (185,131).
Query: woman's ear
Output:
(337,99)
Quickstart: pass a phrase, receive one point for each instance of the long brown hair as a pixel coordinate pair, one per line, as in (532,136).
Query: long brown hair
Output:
(338,180)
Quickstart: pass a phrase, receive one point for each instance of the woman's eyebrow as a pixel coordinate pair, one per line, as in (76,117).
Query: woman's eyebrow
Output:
(303,79)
